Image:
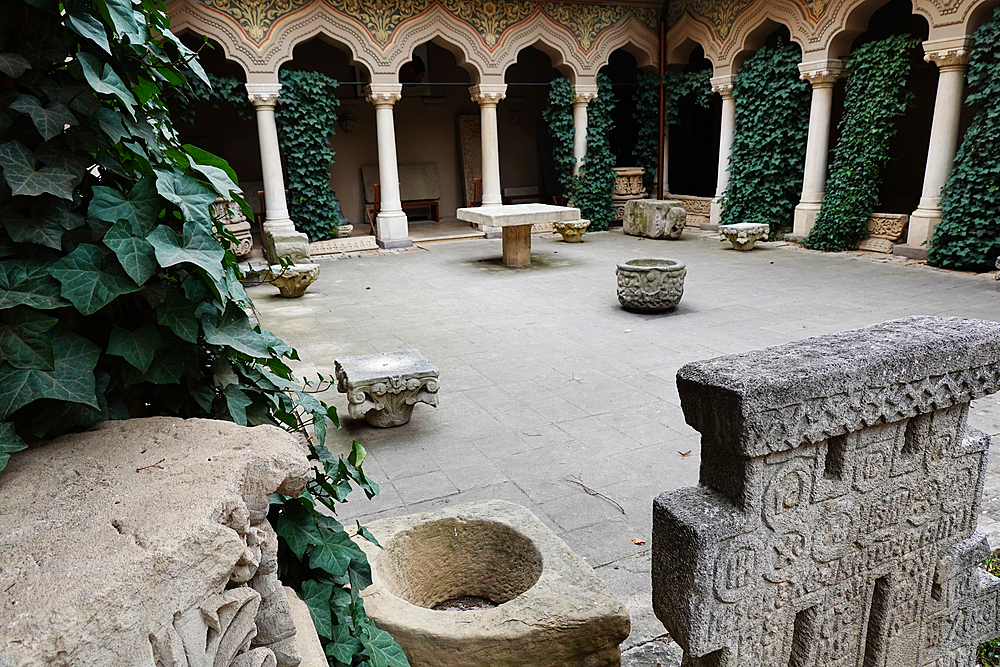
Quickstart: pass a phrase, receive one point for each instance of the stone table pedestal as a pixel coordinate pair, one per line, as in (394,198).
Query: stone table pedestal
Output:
(384,387)
(516,221)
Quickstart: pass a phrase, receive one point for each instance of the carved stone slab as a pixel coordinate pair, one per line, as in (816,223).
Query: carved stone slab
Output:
(884,230)
(698,208)
(839,491)
(384,387)
(654,218)
(146,542)
(350,244)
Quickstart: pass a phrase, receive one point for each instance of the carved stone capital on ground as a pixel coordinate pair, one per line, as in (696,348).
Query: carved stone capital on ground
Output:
(263,94)
(743,235)
(383,388)
(383,95)
(949,58)
(572,232)
(488,94)
(292,281)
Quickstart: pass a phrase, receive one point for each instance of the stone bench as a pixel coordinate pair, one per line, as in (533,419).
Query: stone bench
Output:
(516,221)
(384,387)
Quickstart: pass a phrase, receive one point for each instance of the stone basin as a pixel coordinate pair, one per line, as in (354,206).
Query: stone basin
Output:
(650,285)
(529,600)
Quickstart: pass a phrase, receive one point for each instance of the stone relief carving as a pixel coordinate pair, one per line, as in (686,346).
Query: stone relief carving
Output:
(721,15)
(383,388)
(884,230)
(470,141)
(855,547)
(229,214)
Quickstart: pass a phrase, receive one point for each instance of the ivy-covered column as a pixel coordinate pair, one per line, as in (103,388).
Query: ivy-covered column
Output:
(487,96)
(391,228)
(281,240)
(952,65)
(723,85)
(823,77)
(582,95)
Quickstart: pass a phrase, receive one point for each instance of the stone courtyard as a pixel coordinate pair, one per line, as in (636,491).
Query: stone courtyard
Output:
(555,398)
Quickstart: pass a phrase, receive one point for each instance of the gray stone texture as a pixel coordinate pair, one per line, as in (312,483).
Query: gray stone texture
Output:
(515,215)
(286,244)
(655,218)
(834,522)
(146,542)
(650,285)
(552,609)
(384,387)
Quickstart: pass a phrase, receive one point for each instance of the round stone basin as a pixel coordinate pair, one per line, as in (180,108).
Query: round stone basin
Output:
(441,561)
(488,584)
(650,285)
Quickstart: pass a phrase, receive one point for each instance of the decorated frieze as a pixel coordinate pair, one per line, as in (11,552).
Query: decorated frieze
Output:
(721,15)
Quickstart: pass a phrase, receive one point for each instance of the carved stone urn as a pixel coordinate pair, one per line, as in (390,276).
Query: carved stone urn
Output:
(650,285)
(572,231)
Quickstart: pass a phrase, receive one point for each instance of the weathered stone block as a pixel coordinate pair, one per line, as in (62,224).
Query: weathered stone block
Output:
(293,280)
(384,387)
(536,604)
(286,244)
(743,235)
(655,218)
(839,491)
(146,542)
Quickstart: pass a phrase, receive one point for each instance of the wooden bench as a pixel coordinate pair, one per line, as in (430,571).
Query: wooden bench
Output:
(418,188)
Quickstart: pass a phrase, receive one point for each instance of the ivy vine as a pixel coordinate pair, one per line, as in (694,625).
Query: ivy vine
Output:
(678,85)
(117,299)
(558,115)
(218,90)
(877,74)
(968,236)
(769,141)
(647,119)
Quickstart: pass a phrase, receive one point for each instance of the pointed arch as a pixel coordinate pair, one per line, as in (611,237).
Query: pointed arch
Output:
(753,26)
(631,36)
(685,35)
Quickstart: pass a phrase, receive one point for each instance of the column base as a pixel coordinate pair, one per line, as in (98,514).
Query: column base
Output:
(921,226)
(392,230)
(804,218)
(285,243)
(907,250)
(391,244)
(714,212)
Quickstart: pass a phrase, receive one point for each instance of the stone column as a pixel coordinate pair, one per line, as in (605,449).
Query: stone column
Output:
(723,85)
(582,95)
(391,227)
(281,240)
(952,65)
(487,96)
(823,77)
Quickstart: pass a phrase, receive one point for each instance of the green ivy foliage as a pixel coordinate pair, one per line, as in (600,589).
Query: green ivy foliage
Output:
(117,299)
(306,114)
(877,73)
(597,173)
(647,119)
(220,89)
(769,141)
(559,117)
(678,85)
(968,236)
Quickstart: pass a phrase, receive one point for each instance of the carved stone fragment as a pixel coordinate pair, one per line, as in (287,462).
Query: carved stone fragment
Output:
(650,285)
(292,281)
(743,235)
(572,232)
(835,516)
(383,388)
(655,219)
(231,216)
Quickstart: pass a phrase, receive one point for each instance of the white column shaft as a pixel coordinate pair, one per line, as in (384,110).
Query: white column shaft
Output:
(388,171)
(944,134)
(491,154)
(818,143)
(579,133)
(276,213)
(725,141)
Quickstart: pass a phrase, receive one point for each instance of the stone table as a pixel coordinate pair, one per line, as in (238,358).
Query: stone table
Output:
(516,221)
(384,387)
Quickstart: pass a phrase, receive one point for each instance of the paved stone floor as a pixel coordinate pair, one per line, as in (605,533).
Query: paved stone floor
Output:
(547,384)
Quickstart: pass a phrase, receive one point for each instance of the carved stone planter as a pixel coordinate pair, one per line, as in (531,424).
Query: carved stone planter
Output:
(229,214)
(743,235)
(383,388)
(489,584)
(628,185)
(293,280)
(650,285)
(343,231)
(654,218)
(572,232)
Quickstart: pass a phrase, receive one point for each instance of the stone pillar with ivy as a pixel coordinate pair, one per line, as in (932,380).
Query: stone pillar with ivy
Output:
(582,96)
(281,240)
(487,96)
(723,85)
(823,76)
(952,62)
(392,230)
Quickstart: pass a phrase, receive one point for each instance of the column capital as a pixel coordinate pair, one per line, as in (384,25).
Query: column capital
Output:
(383,94)
(582,95)
(723,85)
(955,58)
(488,94)
(822,73)
(263,94)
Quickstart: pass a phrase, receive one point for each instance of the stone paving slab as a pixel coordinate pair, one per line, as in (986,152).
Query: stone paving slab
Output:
(544,378)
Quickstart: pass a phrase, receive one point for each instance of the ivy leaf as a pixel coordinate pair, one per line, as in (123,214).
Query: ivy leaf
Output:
(343,646)
(74,360)
(136,347)
(23,340)
(90,279)
(167,367)
(49,120)
(9,443)
(383,649)
(111,124)
(198,247)
(122,17)
(45,225)
(141,207)
(297,528)
(190,195)
(135,254)
(106,80)
(334,553)
(27,282)
(233,330)
(316,595)
(87,26)
(19,170)
(13,64)
(215,169)
(177,313)
(237,403)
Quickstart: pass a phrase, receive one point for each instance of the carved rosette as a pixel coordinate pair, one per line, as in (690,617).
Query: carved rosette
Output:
(650,285)
(958,58)
(229,214)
